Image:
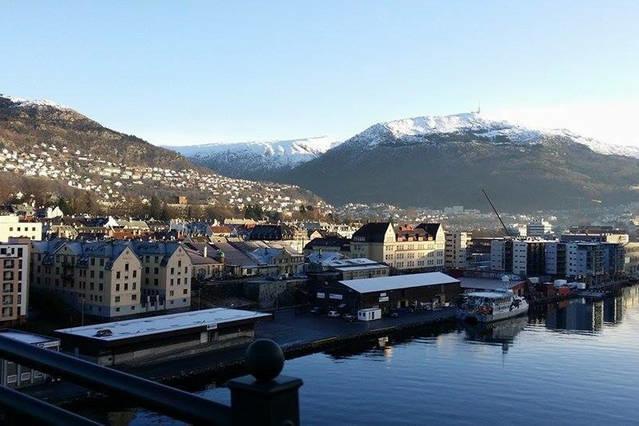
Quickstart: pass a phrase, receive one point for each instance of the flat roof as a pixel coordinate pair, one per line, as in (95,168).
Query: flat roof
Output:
(371,285)
(361,268)
(209,318)
(25,337)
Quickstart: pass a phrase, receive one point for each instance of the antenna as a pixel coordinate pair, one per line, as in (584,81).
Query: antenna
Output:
(479,107)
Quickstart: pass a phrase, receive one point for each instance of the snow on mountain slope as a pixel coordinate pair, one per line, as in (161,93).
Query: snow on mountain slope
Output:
(418,129)
(269,154)
(22,102)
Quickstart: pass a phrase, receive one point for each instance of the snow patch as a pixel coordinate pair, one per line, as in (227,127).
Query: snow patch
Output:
(418,129)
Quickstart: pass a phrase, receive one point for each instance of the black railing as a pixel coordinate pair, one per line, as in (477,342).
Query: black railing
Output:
(267,398)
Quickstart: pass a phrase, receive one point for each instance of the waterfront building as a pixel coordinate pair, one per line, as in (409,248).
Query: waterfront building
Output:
(14,271)
(405,247)
(456,250)
(14,375)
(12,227)
(110,279)
(631,259)
(98,278)
(387,293)
(166,275)
(140,340)
(585,259)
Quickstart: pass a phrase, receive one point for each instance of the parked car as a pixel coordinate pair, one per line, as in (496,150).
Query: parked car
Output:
(348,317)
(315,310)
(333,314)
(394,314)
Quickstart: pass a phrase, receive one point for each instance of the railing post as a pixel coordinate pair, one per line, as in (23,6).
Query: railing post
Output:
(265,398)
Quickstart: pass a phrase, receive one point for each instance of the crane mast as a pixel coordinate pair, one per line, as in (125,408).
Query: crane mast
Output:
(496,213)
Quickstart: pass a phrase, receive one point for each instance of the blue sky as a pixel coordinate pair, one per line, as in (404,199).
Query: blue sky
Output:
(196,72)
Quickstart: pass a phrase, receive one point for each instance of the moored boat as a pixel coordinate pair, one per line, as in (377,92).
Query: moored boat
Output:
(489,306)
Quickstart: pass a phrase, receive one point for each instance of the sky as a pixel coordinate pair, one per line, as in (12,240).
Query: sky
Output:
(178,73)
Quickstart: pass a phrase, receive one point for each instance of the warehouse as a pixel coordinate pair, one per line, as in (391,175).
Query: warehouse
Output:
(387,293)
(150,338)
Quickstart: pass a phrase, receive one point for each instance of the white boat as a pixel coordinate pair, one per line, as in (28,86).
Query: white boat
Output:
(489,306)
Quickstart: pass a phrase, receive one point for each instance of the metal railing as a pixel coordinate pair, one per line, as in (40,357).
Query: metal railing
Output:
(266,398)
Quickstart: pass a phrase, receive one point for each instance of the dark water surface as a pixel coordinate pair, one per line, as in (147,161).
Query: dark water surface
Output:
(575,362)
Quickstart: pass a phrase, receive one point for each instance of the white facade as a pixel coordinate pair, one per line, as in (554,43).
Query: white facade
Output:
(12,227)
(497,255)
(538,229)
(520,258)
(455,254)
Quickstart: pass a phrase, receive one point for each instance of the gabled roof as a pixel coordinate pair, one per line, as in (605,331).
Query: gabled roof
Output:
(429,228)
(372,232)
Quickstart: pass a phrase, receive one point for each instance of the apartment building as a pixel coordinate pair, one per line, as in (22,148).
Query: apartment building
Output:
(522,257)
(98,278)
(166,275)
(404,247)
(14,271)
(12,227)
(456,250)
(594,260)
(539,228)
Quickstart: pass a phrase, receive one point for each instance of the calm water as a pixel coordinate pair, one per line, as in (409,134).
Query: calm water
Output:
(570,363)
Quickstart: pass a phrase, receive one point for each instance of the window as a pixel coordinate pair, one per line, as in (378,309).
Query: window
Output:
(135,273)
(185,291)
(117,299)
(117,275)
(117,287)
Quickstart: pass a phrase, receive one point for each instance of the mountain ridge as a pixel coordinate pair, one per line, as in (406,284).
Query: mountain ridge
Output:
(256,159)
(434,162)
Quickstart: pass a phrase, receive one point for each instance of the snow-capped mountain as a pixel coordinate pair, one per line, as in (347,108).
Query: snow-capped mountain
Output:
(418,130)
(439,161)
(256,159)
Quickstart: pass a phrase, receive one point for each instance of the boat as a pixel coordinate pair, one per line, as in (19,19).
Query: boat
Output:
(490,306)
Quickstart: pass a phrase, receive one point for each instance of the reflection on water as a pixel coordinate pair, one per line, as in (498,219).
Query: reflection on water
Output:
(572,362)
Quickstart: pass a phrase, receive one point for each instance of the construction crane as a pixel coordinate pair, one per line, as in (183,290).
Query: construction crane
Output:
(496,213)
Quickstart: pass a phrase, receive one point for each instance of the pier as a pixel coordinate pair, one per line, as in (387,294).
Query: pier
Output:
(297,334)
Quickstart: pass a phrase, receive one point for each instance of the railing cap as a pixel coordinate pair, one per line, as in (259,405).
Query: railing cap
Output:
(264,360)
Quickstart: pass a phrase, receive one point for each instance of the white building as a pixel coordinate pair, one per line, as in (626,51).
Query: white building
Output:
(12,227)
(455,252)
(539,228)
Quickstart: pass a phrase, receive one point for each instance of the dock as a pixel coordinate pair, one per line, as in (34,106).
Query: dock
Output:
(298,334)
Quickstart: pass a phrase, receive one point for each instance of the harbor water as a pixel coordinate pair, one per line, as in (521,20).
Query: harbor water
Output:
(573,362)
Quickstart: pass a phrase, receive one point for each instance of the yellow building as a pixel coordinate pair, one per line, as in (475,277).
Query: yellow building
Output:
(402,247)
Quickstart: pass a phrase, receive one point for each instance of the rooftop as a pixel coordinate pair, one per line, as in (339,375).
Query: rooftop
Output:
(372,285)
(163,323)
(24,337)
